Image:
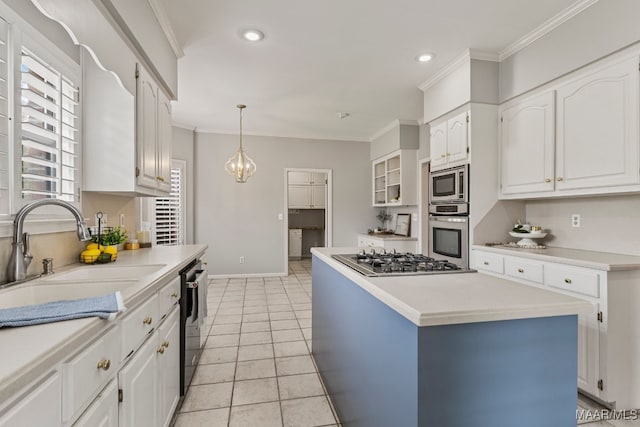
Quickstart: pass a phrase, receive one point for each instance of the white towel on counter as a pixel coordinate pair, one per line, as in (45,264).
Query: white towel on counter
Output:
(105,307)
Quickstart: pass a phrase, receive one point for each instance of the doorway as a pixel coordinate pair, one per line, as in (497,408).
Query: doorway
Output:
(308,211)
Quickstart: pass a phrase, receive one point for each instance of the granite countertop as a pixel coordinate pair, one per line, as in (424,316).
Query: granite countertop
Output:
(34,350)
(589,259)
(443,299)
(389,237)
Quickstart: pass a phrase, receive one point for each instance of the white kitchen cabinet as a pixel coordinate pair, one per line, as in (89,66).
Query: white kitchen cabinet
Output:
(307,196)
(103,412)
(577,137)
(394,179)
(449,143)
(307,178)
(168,367)
(39,406)
(400,244)
(527,145)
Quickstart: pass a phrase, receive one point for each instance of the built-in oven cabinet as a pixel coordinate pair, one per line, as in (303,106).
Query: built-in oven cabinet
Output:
(551,142)
(394,179)
(449,142)
(608,343)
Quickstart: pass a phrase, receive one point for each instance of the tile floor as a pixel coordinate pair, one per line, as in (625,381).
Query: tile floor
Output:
(256,368)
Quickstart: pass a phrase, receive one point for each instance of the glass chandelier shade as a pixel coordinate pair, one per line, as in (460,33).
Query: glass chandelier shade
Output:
(240,165)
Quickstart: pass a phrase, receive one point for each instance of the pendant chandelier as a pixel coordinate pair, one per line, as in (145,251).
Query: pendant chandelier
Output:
(240,165)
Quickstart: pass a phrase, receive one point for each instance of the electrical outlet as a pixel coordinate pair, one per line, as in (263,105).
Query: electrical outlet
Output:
(241,260)
(575,220)
(280,217)
(122,220)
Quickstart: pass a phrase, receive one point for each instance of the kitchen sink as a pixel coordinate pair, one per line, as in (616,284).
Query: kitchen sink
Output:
(100,273)
(40,293)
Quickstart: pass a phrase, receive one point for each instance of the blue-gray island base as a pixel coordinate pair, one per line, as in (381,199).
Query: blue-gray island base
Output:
(381,369)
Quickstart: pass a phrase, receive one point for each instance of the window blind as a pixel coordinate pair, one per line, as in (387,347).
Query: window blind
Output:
(4,121)
(50,133)
(169,212)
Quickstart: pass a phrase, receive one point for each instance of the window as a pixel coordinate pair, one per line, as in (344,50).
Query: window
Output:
(4,121)
(49,131)
(169,211)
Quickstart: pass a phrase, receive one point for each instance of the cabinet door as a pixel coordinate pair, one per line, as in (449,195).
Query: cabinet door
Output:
(41,407)
(589,352)
(138,382)
(457,139)
(165,143)
(318,197)
(299,177)
(103,412)
(299,196)
(318,178)
(169,367)
(379,183)
(146,129)
(527,145)
(597,142)
(438,145)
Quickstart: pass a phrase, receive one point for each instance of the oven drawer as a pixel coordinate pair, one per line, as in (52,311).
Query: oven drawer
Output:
(573,279)
(485,261)
(519,268)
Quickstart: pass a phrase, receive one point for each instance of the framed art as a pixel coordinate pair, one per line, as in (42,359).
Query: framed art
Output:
(403,224)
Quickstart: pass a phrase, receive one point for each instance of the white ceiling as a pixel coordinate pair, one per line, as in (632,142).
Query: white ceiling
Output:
(320,58)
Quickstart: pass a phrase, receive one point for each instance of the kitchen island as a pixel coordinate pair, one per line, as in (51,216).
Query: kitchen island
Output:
(443,350)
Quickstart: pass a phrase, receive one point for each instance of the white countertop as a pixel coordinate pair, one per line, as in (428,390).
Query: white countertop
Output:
(443,299)
(31,351)
(389,237)
(580,258)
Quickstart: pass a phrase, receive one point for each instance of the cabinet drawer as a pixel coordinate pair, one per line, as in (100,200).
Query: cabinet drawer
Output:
(88,372)
(168,296)
(103,411)
(485,261)
(137,325)
(573,279)
(524,269)
(368,241)
(40,407)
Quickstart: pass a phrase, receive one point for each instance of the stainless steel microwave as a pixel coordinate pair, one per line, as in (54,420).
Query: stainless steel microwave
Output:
(449,185)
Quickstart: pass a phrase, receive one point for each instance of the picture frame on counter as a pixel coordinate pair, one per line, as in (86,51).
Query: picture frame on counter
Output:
(403,224)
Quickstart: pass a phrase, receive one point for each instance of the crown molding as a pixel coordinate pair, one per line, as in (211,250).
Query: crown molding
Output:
(546,28)
(387,128)
(446,70)
(482,55)
(292,136)
(165,24)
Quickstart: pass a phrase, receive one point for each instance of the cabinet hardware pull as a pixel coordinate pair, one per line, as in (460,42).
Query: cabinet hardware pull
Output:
(174,295)
(559,179)
(567,281)
(147,320)
(104,364)
(486,263)
(547,180)
(161,350)
(159,178)
(443,156)
(521,270)
(165,344)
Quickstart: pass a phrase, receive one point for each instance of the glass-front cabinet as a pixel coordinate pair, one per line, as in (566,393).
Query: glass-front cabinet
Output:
(394,179)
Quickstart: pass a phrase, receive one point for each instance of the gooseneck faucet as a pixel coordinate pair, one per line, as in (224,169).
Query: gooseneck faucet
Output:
(20,257)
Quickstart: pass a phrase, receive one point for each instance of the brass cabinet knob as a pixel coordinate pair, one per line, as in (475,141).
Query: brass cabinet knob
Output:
(521,270)
(165,344)
(486,263)
(567,281)
(547,180)
(159,178)
(104,364)
(147,320)
(443,156)
(161,350)
(559,179)
(174,295)
(448,154)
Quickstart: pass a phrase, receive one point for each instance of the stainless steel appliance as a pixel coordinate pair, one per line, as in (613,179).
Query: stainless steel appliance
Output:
(376,264)
(193,320)
(449,185)
(449,238)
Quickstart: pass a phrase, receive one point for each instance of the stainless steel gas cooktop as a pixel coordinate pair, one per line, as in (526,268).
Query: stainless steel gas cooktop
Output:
(374,264)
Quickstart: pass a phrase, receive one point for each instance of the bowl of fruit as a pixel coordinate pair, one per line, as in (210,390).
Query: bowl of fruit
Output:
(103,247)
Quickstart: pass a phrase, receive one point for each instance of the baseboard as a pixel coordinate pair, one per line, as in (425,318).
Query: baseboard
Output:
(245,276)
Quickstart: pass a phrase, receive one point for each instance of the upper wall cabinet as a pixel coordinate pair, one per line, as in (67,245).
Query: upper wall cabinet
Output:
(449,142)
(394,179)
(307,190)
(593,147)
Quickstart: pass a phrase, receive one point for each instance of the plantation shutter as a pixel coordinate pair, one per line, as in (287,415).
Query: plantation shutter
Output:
(50,134)
(169,212)
(4,121)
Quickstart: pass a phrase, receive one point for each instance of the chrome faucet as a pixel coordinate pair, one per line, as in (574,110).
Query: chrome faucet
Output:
(20,257)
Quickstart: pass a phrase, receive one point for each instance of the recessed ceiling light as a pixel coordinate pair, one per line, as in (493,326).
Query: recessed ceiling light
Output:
(253,35)
(425,57)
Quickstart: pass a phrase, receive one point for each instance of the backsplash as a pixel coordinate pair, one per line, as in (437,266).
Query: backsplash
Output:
(413,210)
(608,224)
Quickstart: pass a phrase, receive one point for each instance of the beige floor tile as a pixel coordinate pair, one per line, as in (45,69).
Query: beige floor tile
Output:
(294,365)
(304,323)
(255,391)
(208,396)
(287,335)
(258,317)
(209,418)
(251,338)
(218,355)
(227,319)
(230,340)
(282,315)
(275,307)
(291,348)
(255,327)
(255,352)
(307,333)
(255,309)
(303,314)
(216,373)
(254,369)
(296,386)
(229,311)
(278,325)
(307,412)
(225,329)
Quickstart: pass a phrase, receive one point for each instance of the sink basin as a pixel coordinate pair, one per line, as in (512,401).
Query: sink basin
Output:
(95,273)
(40,293)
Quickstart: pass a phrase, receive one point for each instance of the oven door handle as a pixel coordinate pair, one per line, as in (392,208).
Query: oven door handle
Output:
(201,279)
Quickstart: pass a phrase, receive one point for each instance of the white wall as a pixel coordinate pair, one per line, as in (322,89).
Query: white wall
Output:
(606,26)
(183,145)
(242,219)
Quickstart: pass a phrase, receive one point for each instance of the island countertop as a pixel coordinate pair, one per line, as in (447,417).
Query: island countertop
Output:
(443,299)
